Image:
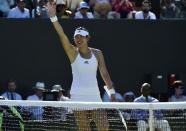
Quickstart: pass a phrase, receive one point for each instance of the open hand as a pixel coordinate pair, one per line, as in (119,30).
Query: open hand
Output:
(51,8)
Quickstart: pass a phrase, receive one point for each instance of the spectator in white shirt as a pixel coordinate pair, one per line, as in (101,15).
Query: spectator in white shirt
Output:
(60,112)
(83,13)
(37,112)
(60,90)
(19,11)
(11,93)
(145,13)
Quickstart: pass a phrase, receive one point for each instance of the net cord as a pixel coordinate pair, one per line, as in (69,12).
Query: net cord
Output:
(97,105)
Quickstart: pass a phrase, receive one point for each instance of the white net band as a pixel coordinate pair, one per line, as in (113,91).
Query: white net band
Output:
(94,105)
(87,116)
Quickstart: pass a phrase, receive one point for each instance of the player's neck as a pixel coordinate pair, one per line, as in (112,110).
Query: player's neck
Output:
(85,52)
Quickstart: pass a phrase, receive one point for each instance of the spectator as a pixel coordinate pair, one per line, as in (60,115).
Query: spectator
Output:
(60,112)
(182,13)
(145,13)
(5,7)
(131,14)
(11,93)
(60,90)
(31,4)
(61,10)
(40,10)
(113,15)
(102,9)
(91,4)
(123,7)
(82,12)
(169,10)
(118,96)
(19,11)
(129,97)
(142,115)
(131,123)
(72,4)
(37,112)
(178,92)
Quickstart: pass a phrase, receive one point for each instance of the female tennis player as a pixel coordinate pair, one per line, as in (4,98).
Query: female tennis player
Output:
(84,62)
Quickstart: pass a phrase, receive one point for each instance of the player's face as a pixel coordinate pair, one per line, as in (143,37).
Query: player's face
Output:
(80,40)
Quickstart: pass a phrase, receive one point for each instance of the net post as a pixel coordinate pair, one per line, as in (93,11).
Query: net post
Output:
(151,118)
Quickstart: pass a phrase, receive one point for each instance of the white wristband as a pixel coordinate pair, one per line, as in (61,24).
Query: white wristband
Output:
(54,19)
(109,91)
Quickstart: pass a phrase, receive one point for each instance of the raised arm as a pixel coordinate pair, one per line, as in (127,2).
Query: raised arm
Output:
(68,47)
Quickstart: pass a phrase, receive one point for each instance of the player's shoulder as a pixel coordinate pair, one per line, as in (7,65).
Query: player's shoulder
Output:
(94,50)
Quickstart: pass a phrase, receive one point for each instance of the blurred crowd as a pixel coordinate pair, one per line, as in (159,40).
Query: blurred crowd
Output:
(95,9)
(176,94)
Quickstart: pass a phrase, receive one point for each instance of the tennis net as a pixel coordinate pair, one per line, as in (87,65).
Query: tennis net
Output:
(73,116)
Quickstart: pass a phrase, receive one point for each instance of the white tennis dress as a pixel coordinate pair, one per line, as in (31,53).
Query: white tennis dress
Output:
(84,85)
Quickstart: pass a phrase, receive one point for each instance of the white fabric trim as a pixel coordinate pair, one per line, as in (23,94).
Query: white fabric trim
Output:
(81,32)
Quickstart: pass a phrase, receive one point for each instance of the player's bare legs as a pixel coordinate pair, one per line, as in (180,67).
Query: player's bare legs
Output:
(82,120)
(100,118)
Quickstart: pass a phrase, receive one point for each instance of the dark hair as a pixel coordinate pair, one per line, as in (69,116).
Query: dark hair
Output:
(177,83)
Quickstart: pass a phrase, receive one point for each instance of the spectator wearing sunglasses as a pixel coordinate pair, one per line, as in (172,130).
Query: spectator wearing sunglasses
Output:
(178,95)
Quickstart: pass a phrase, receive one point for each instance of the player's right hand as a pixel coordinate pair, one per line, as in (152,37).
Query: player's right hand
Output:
(51,7)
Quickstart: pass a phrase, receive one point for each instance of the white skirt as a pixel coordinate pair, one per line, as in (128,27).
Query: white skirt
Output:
(86,98)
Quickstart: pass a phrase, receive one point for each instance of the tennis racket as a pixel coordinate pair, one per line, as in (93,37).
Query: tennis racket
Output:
(119,112)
